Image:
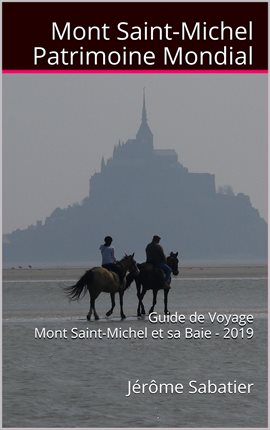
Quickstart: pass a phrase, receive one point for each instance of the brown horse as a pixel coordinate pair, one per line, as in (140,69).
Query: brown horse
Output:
(151,278)
(99,279)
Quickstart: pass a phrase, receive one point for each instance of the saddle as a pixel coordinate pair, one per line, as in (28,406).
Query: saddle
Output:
(152,269)
(116,269)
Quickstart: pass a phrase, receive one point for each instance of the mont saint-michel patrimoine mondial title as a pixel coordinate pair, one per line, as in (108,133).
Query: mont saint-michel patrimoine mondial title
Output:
(220,55)
(141,191)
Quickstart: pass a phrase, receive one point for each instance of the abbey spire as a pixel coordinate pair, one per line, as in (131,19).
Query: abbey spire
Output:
(144,116)
(144,135)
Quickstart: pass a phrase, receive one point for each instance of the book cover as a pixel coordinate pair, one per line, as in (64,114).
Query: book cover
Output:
(135,214)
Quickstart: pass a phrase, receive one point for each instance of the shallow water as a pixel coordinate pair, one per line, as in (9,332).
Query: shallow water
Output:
(83,382)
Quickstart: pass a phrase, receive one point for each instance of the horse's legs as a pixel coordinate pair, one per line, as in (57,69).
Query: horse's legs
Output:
(88,316)
(121,294)
(142,306)
(138,286)
(166,291)
(92,306)
(140,309)
(94,309)
(113,305)
(142,294)
(154,301)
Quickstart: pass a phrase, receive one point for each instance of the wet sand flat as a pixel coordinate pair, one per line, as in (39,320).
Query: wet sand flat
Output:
(55,382)
(70,273)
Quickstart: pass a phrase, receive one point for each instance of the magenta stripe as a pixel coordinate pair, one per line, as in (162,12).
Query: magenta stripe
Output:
(152,71)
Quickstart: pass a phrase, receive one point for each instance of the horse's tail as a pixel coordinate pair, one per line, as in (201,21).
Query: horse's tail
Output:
(74,292)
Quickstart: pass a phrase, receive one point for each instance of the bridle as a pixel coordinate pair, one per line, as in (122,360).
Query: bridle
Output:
(172,261)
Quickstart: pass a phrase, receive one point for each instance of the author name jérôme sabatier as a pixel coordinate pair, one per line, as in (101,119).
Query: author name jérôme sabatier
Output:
(192,387)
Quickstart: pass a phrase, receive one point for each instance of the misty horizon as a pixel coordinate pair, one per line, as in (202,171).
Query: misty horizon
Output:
(91,119)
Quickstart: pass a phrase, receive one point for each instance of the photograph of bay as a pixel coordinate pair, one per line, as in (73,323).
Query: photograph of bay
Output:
(182,159)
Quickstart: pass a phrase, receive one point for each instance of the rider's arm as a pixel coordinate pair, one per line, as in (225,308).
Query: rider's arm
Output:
(112,253)
(162,254)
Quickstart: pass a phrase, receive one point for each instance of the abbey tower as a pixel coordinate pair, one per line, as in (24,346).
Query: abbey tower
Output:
(141,191)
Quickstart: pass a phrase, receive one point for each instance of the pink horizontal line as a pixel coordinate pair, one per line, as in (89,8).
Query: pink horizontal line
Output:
(124,71)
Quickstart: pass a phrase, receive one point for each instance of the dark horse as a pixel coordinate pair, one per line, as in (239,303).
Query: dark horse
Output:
(151,278)
(99,279)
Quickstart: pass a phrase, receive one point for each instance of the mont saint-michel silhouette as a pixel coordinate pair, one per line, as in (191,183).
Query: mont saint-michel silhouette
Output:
(141,191)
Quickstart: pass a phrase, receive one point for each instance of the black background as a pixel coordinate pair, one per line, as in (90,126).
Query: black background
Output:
(26,25)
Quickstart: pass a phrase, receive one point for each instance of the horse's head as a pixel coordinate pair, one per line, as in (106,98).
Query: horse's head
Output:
(130,264)
(173,261)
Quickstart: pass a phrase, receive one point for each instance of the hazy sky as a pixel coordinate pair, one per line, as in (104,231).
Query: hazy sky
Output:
(56,128)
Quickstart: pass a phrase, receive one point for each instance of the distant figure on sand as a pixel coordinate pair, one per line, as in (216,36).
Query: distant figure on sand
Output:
(155,255)
(108,257)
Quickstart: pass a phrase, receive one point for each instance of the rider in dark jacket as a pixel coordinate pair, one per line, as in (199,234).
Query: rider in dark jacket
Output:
(155,255)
